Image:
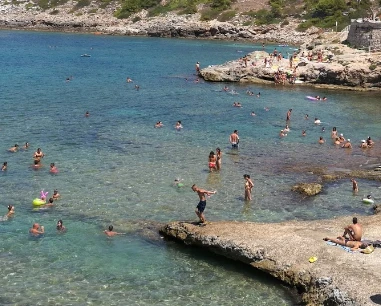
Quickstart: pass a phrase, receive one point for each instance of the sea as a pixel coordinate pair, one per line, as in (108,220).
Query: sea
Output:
(116,169)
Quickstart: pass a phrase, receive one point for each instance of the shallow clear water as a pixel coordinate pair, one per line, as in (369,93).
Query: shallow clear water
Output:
(114,167)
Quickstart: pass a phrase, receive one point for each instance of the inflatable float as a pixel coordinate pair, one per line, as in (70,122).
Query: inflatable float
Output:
(367,201)
(312,98)
(38,202)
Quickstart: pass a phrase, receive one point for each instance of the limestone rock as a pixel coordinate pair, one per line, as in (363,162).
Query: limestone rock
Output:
(309,189)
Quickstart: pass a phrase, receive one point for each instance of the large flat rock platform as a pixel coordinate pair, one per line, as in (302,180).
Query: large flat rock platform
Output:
(283,250)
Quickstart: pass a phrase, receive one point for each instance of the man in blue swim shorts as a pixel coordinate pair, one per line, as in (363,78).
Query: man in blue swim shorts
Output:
(201,205)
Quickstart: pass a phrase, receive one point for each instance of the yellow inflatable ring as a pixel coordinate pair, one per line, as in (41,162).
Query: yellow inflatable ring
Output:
(38,202)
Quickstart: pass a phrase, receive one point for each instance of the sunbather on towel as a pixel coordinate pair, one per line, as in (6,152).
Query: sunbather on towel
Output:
(354,245)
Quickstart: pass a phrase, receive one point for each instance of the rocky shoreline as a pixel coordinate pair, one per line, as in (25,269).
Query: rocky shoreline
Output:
(93,19)
(283,250)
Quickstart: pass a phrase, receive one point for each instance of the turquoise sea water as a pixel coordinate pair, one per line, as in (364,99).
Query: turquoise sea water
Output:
(115,168)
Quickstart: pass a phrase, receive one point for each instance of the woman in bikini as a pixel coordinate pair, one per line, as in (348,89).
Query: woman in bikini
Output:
(212,160)
(248,187)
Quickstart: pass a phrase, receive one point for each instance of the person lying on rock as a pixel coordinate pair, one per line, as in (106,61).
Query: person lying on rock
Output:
(354,245)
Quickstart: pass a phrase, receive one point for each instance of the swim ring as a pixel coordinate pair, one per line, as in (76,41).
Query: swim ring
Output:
(368,201)
(38,202)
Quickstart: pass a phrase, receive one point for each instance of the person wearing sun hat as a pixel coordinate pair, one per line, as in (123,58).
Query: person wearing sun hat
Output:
(347,145)
(341,138)
(363,144)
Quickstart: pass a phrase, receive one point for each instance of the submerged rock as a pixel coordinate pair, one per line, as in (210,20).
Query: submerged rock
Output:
(309,189)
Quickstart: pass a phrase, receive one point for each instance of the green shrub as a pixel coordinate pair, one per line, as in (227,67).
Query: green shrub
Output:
(220,5)
(284,23)
(29,6)
(54,12)
(93,11)
(130,7)
(209,14)
(136,19)
(372,67)
(82,3)
(226,16)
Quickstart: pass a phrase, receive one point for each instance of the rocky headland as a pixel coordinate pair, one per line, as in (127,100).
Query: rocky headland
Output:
(339,67)
(283,250)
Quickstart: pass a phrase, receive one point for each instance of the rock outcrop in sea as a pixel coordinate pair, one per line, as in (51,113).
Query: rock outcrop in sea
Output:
(340,66)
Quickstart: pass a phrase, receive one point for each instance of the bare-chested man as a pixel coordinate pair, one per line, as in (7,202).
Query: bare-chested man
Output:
(234,139)
(201,205)
(37,229)
(354,245)
(110,232)
(353,231)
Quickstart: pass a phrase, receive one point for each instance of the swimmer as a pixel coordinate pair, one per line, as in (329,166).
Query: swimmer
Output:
(26,146)
(219,158)
(87,114)
(355,186)
(226,88)
(50,203)
(248,186)
(178,125)
(14,148)
(37,229)
(212,159)
(304,133)
(237,104)
(234,139)
(341,138)
(56,195)
(321,140)
(266,109)
(347,145)
(282,133)
(11,211)
(5,166)
(337,141)
(286,129)
(111,233)
(323,129)
(334,133)
(369,142)
(60,227)
(288,115)
(252,114)
(38,154)
(137,87)
(324,99)
(317,121)
(306,116)
(53,168)
(363,144)
(128,80)
(159,124)
(198,67)
(177,183)
(258,95)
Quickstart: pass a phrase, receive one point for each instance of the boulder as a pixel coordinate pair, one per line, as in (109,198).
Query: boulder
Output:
(309,189)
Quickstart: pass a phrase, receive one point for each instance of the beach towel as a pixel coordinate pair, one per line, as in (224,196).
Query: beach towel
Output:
(345,248)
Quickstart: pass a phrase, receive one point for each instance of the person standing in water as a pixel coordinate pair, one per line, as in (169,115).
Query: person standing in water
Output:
(234,139)
(202,204)
(248,186)
(212,160)
(219,158)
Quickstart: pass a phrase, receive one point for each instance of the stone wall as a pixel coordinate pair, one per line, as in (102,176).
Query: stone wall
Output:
(365,34)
